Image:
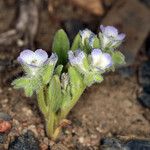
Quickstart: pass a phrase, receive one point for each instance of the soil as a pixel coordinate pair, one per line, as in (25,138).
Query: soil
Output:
(107,109)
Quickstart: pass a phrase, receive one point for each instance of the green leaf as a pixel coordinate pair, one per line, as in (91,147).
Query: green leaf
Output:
(92,78)
(24,83)
(21,82)
(61,45)
(28,84)
(58,70)
(54,94)
(76,43)
(96,43)
(87,47)
(47,73)
(76,81)
(118,58)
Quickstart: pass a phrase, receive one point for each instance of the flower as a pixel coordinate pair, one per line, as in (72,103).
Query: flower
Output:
(32,62)
(100,61)
(87,34)
(110,37)
(78,59)
(34,59)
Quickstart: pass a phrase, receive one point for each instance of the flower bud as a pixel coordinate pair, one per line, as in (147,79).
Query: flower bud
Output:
(79,60)
(89,35)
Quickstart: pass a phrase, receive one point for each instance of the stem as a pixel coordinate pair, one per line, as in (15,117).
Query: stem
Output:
(50,125)
(65,111)
(41,101)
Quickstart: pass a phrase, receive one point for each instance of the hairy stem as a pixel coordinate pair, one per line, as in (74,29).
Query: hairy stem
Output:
(41,101)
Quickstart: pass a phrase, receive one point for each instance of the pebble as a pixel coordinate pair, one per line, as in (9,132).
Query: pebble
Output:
(2,138)
(4,116)
(144,74)
(26,141)
(138,145)
(144,99)
(115,144)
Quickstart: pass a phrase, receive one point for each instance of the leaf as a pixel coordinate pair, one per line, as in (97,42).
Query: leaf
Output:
(96,43)
(61,45)
(118,58)
(76,42)
(54,94)
(76,81)
(47,73)
(87,47)
(92,78)
(58,70)
(21,82)
(28,84)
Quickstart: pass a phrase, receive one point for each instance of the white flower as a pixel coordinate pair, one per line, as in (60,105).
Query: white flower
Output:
(101,60)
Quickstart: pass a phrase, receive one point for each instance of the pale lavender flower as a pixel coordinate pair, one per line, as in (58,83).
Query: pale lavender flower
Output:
(34,59)
(77,59)
(110,36)
(101,60)
(87,34)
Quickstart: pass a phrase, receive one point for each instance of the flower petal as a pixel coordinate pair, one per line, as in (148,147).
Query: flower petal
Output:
(96,53)
(41,55)
(121,36)
(26,56)
(53,58)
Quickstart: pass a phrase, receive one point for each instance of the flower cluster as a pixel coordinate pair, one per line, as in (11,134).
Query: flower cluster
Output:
(98,61)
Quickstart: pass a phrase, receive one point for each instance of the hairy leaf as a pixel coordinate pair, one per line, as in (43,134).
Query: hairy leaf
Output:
(61,45)
(54,94)
(76,43)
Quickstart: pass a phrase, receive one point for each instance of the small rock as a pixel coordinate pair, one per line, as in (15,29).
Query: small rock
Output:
(144,99)
(26,141)
(81,140)
(137,145)
(59,147)
(2,138)
(4,116)
(4,126)
(144,74)
(115,144)
(111,144)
